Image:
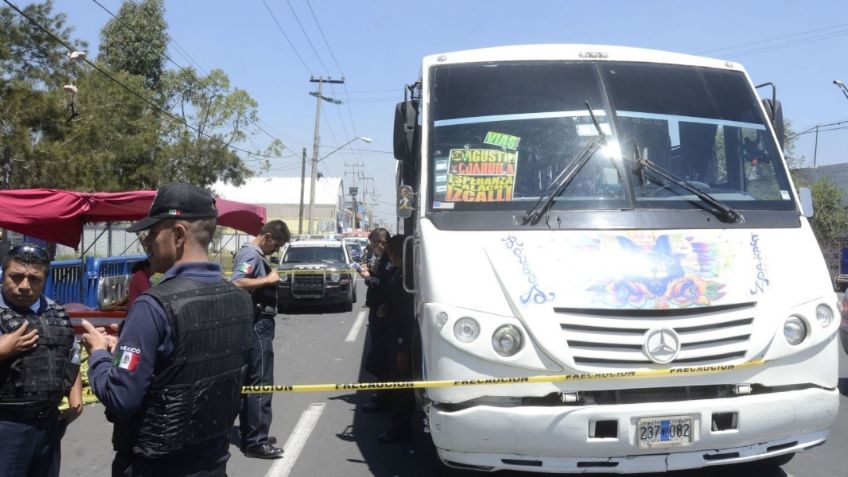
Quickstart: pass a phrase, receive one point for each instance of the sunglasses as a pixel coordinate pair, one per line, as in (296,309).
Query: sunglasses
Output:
(30,253)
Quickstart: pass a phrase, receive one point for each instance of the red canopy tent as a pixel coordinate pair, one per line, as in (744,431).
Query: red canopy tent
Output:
(58,215)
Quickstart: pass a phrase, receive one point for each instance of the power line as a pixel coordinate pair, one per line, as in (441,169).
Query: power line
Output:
(341,72)
(818,127)
(182,68)
(326,70)
(127,88)
(164,54)
(745,45)
(321,31)
(280,27)
(784,42)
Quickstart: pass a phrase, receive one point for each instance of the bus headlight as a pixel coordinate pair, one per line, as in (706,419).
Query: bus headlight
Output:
(466,329)
(824,315)
(507,340)
(794,330)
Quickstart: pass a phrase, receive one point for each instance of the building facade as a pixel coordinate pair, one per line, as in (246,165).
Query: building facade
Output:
(281,198)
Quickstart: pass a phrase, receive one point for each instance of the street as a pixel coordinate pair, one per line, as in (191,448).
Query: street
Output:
(325,434)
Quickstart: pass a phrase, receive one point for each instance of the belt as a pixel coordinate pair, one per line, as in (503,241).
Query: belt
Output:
(27,415)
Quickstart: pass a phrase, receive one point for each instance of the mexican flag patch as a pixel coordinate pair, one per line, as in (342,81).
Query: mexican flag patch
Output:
(245,268)
(127,358)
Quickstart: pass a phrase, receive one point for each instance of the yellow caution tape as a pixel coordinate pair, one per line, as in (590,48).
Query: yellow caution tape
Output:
(447,383)
(387,386)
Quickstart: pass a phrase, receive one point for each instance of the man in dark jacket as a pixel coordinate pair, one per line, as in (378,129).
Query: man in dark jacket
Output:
(39,364)
(398,325)
(172,383)
(377,279)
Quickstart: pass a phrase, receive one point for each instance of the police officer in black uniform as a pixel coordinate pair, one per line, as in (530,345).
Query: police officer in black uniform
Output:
(377,279)
(252,272)
(39,364)
(172,381)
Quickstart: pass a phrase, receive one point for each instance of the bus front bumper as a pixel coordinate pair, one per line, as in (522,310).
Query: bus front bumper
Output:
(557,439)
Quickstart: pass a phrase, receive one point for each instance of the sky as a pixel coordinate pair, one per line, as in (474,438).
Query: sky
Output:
(271,48)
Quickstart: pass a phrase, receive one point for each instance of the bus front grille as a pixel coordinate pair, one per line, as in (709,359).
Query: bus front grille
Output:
(611,338)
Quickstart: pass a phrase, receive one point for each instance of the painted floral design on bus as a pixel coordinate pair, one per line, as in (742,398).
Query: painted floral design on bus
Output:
(534,293)
(659,272)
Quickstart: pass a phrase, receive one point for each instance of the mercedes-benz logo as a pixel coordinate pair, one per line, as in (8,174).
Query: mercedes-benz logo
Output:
(661,345)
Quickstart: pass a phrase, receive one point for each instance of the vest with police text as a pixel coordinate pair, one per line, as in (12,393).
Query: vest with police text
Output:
(37,379)
(194,398)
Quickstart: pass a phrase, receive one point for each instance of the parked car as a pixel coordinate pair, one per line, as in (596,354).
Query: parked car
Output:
(316,273)
(841,282)
(354,251)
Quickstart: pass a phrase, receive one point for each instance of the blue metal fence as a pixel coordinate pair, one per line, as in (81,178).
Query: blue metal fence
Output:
(66,283)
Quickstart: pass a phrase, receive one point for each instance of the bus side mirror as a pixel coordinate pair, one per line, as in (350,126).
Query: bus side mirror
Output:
(775,113)
(806,198)
(406,202)
(406,123)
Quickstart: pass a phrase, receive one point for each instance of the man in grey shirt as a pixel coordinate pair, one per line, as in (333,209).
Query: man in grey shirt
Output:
(252,272)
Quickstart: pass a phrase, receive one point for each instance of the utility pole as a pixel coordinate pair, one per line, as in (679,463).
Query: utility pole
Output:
(816,147)
(302,184)
(353,174)
(317,138)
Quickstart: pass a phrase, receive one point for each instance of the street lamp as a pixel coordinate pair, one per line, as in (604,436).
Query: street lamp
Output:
(315,161)
(364,139)
(841,86)
(325,98)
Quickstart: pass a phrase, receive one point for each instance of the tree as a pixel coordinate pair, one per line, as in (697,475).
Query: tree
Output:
(132,125)
(29,54)
(831,218)
(790,137)
(199,119)
(136,40)
(219,117)
(114,141)
(33,106)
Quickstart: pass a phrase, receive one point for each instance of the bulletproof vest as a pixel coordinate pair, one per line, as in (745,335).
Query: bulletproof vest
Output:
(194,398)
(37,379)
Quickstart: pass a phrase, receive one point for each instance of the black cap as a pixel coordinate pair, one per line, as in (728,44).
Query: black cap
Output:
(178,201)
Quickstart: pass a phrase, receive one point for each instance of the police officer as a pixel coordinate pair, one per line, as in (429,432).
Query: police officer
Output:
(398,325)
(252,272)
(172,381)
(39,364)
(377,279)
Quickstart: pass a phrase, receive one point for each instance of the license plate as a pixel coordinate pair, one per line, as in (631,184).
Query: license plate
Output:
(664,431)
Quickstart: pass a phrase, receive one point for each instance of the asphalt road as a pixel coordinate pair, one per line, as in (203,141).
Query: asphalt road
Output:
(326,434)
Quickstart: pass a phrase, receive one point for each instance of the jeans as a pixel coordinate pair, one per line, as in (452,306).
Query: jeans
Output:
(30,448)
(255,414)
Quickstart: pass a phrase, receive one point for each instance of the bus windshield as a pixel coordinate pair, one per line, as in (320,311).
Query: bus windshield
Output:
(503,132)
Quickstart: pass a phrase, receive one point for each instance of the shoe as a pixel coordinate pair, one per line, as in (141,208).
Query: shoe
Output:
(393,437)
(374,406)
(272,440)
(263,451)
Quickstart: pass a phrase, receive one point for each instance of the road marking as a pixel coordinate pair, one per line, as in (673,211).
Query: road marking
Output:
(296,441)
(354,330)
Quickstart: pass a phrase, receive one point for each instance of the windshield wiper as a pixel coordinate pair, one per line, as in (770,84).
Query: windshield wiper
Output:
(532,216)
(723,212)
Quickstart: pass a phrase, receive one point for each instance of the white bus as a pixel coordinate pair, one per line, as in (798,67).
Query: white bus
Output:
(622,219)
